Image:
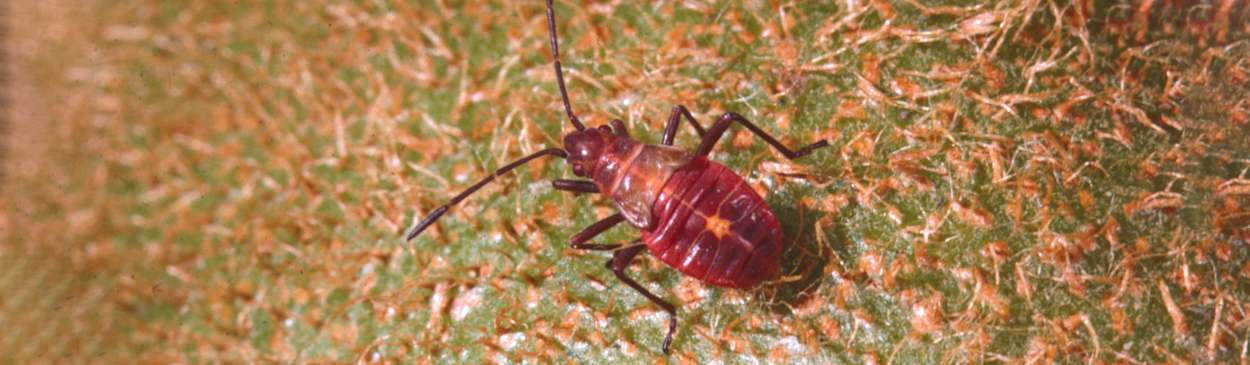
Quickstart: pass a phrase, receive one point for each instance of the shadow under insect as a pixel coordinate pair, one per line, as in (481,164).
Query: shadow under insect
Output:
(809,251)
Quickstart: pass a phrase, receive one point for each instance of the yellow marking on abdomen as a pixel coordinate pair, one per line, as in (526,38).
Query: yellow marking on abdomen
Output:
(717,226)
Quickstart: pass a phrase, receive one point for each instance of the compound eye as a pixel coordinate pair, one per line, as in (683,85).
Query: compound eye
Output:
(605,129)
(577,170)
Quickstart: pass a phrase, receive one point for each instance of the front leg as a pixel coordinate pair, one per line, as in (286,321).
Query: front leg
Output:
(723,123)
(674,118)
(618,128)
(576,186)
(578,241)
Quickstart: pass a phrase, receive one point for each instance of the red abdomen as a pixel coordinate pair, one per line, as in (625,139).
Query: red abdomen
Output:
(712,226)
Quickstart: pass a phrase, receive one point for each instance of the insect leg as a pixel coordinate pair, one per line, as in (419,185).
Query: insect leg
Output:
(618,128)
(621,261)
(429,220)
(576,186)
(674,118)
(578,241)
(723,123)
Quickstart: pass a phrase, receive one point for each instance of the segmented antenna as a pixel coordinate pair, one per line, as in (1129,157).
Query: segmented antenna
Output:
(555,53)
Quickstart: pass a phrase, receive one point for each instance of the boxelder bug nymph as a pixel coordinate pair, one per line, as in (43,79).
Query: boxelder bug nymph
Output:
(693,214)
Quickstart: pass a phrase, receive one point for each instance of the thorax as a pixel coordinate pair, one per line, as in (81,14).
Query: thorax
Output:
(632,173)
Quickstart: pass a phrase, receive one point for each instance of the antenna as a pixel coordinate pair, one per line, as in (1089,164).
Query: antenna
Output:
(555,53)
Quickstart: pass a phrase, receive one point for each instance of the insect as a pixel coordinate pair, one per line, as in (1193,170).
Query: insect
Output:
(693,214)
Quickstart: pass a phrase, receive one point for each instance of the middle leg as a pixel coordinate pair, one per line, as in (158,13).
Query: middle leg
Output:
(619,262)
